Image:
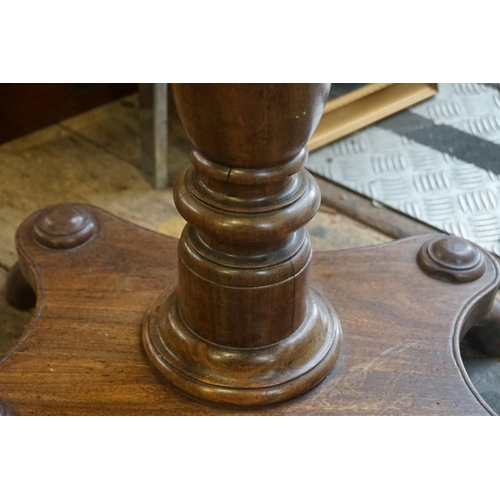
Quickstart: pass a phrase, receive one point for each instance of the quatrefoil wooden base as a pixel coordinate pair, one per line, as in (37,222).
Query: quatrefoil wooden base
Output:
(82,353)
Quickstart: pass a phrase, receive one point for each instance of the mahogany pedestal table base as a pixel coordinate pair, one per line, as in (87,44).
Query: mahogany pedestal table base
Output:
(403,308)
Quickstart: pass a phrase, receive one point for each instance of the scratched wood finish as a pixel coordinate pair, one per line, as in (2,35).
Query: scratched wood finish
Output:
(82,352)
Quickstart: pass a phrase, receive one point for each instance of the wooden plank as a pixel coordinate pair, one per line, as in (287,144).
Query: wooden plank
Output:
(377,216)
(365,106)
(331,230)
(54,166)
(115,127)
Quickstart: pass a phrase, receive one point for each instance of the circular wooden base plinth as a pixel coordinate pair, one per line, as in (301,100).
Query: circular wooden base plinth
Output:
(243,377)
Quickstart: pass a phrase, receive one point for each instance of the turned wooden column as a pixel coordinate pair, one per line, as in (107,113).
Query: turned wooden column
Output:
(243,326)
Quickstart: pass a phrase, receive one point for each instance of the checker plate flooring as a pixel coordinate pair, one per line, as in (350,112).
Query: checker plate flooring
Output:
(431,178)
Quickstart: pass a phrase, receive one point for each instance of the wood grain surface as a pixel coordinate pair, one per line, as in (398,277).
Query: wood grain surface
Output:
(242,326)
(82,352)
(94,158)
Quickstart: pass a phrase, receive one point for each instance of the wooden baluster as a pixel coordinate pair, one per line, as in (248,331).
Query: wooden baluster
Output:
(243,326)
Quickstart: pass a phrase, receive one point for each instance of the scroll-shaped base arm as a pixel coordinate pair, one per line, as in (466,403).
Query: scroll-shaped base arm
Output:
(82,351)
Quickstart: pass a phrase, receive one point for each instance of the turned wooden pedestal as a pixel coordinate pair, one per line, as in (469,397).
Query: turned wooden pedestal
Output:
(239,316)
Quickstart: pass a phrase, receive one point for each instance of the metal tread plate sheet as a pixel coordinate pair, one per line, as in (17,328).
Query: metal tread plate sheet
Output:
(429,185)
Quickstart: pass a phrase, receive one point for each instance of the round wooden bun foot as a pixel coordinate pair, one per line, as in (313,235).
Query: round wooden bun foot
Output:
(243,377)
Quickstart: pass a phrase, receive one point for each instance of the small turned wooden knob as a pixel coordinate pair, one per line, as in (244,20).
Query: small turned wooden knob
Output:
(64,226)
(452,259)
(5,409)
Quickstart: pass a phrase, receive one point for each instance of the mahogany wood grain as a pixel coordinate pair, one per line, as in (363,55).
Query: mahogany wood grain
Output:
(246,198)
(82,352)
(243,326)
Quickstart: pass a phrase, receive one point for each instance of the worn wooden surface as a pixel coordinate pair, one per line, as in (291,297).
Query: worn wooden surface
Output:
(95,158)
(480,347)
(83,354)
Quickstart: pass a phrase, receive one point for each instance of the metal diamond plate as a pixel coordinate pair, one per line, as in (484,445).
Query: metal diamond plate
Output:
(470,107)
(436,188)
